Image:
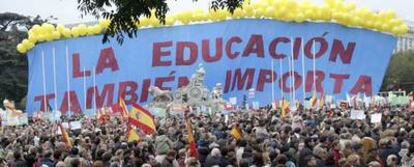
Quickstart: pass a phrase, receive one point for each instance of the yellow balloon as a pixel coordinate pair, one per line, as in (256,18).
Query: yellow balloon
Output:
(356,21)
(21,48)
(27,44)
(238,13)
(56,34)
(249,12)
(300,17)
(41,37)
(155,22)
(404,28)
(66,33)
(90,30)
(60,28)
(42,30)
(396,22)
(75,32)
(104,23)
(384,27)
(204,16)
(33,38)
(222,14)
(50,27)
(144,22)
(390,14)
(396,30)
(49,37)
(269,12)
(97,29)
(25,41)
(35,28)
(170,20)
(83,29)
(308,14)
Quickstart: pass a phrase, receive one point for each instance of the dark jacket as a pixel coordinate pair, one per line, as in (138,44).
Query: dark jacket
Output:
(19,163)
(202,154)
(211,161)
(167,163)
(48,162)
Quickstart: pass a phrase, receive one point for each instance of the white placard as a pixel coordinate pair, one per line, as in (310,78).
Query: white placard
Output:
(255,105)
(75,125)
(65,125)
(233,100)
(329,99)
(357,114)
(376,118)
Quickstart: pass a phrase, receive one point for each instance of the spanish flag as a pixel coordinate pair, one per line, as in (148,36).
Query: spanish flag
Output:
(322,101)
(65,135)
(314,99)
(123,108)
(141,118)
(285,108)
(132,135)
(191,141)
(236,132)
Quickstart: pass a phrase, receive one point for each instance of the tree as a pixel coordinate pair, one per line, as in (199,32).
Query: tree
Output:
(124,14)
(400,74)
(13,66)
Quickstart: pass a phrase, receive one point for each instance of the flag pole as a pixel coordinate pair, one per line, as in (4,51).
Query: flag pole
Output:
(314,64)
(293,73)
(84,88)
(273,85)
(290,74)
(303,71)
(67,76)
(281,78)
(54,76)
(94,90)
(44,81)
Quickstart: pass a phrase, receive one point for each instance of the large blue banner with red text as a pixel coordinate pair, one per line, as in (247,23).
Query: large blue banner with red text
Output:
(82,73)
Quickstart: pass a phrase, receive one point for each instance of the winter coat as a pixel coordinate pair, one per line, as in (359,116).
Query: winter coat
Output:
(19,163)
(48,162)
(163,144)
(211,161)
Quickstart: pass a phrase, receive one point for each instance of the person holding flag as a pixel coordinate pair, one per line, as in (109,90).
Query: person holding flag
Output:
(314,99)
(236,132)
(285,108)
(191,140)
(133,135)
(65,136)
(121,108)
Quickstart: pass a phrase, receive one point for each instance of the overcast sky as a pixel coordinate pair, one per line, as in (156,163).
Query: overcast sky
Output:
(66,12)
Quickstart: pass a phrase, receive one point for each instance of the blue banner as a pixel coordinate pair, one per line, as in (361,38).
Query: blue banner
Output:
(82,73)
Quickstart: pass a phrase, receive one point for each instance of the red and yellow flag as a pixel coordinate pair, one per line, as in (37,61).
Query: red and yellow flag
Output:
(141,118)
(133,135)
(322,101)
(236,132)
(314,99)
(65,135)
(123,108)
(285,108)
(191,141)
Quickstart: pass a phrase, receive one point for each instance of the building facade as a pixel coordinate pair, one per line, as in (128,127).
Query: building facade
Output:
(406,42)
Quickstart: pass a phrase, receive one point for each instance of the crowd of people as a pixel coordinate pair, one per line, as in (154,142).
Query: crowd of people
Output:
(304,138)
